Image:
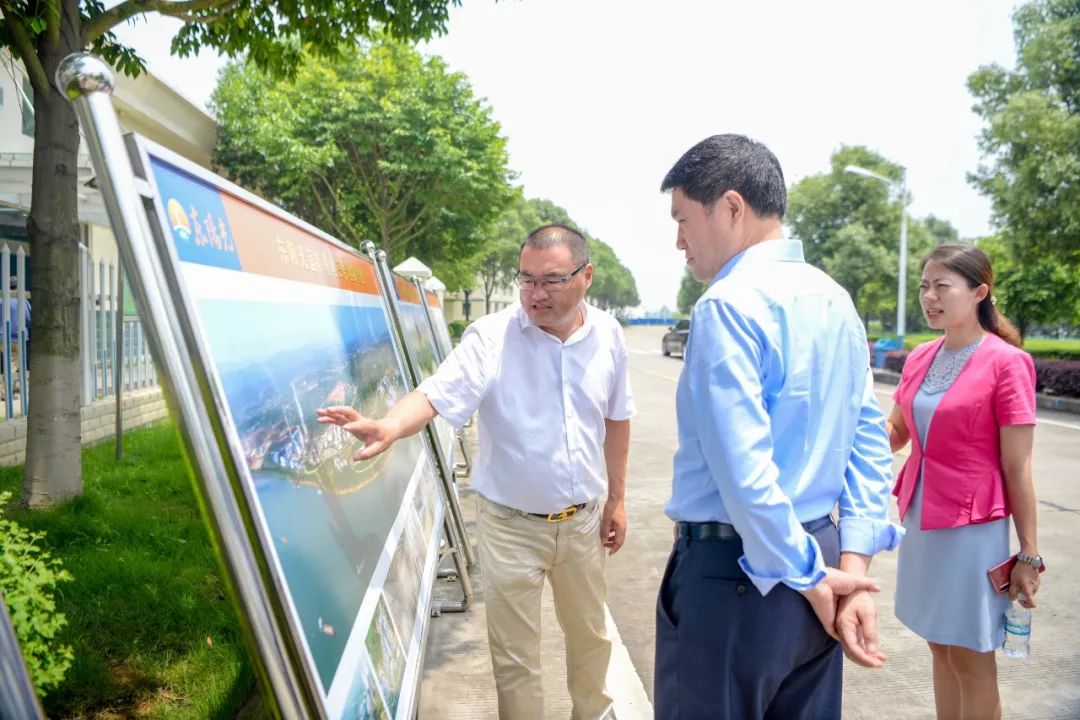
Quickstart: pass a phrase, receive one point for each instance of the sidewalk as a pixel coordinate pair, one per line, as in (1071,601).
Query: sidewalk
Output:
(458,681)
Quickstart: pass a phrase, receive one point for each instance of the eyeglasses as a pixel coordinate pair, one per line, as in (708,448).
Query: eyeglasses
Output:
(528,282)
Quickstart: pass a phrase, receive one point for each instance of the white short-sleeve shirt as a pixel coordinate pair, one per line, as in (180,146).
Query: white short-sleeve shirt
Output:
(541,405)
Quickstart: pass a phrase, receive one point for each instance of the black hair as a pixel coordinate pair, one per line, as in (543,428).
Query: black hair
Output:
(555,234)
(972,264)
(730,162)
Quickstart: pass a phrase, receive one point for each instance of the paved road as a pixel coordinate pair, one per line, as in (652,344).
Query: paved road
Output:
(1045,687)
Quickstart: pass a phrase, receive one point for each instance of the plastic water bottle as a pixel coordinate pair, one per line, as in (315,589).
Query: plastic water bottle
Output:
(1017,632)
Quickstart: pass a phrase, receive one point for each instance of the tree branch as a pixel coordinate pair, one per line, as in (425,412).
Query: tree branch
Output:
(326,213)
(418,231)
(98,26)
(424,210)
(52,22)
(224,10)
(398,205)
(343,229)
(25,49)
(356,161)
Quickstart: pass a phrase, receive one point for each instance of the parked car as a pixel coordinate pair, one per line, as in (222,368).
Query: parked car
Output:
(675,339)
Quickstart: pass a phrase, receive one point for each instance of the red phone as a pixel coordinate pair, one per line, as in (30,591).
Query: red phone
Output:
(1001,574)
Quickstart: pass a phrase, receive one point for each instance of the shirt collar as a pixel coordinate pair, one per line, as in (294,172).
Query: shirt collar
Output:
(581,332)
(780,250)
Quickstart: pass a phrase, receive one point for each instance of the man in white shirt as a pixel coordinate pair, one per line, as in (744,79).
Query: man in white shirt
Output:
(549,379)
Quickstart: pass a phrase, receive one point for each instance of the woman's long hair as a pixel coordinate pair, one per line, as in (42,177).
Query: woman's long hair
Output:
(973,265)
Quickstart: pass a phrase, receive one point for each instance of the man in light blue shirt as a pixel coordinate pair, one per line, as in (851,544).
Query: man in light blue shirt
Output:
(778,427)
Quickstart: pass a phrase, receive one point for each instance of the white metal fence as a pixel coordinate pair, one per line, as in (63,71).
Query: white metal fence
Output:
(100,353)
(16,322)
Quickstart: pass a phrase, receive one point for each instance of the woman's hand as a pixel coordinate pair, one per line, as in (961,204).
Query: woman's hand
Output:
(897,429)
(1024,583)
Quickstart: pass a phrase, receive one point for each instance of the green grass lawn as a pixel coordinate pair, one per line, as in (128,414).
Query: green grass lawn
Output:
(153,631)
(1068,348)
(1045,347)
(914,339)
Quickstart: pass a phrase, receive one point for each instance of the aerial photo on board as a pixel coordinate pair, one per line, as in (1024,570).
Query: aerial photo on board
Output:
(329,517)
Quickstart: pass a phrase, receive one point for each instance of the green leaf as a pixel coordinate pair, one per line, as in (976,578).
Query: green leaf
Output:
(28,578)
(374,142)
(1031,145)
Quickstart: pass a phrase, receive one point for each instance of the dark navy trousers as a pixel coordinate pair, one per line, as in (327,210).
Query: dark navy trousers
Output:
(725,652)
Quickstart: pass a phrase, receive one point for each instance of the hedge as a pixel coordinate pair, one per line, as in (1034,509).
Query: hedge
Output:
(1046,348)
(1054,377)
(894,360)
(1058,377)
(1053,349)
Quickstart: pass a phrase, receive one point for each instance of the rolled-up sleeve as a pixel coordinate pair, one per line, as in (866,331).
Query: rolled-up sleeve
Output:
(725,377)
(864,498)
(458,386)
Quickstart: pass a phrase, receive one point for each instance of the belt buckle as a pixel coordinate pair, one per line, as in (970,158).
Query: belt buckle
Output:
(562,515)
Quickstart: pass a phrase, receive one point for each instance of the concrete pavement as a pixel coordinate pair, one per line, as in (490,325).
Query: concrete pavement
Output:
(457,679)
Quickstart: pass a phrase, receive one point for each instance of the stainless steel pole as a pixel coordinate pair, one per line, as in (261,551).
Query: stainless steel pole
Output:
(459,434)
(88,82)
(118,362)
(456,532)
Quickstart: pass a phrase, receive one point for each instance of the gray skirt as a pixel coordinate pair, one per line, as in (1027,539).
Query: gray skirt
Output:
(942,591)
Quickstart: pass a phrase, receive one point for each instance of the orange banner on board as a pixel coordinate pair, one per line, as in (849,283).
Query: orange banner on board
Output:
(406,291)
(270,246)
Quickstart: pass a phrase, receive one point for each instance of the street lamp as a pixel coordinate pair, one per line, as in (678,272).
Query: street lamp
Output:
(901,290)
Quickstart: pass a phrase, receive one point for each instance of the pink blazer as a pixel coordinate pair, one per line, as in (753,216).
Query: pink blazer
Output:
(962,478)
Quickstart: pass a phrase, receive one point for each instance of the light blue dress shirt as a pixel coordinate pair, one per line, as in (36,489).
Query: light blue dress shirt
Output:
(778,424)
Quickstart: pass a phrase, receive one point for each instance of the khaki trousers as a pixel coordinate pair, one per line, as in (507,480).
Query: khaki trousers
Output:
(517,551)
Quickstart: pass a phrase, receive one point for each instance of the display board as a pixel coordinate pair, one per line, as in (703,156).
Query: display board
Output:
(288,320)
(438,323)
(420,338)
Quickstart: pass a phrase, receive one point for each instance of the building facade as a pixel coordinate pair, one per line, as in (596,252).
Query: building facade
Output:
(457,302)
(146,105)
(150,107)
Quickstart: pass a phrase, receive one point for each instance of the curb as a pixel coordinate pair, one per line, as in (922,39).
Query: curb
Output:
(1056,402)
(888,377)
(1046,402)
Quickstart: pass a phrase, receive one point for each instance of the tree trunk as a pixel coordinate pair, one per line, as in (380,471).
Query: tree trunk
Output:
(53,469)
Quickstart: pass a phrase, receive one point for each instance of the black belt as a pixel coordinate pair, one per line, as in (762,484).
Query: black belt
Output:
(726,531)
(564,514)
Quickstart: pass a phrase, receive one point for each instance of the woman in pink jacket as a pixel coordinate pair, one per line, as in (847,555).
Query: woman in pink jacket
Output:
(969,470)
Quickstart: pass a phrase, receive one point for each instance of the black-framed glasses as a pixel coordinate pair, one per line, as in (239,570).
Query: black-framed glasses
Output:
(528,282)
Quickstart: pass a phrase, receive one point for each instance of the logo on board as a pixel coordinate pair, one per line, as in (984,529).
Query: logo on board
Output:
(178,219)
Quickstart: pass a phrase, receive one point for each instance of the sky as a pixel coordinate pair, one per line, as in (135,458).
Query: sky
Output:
(598,98)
